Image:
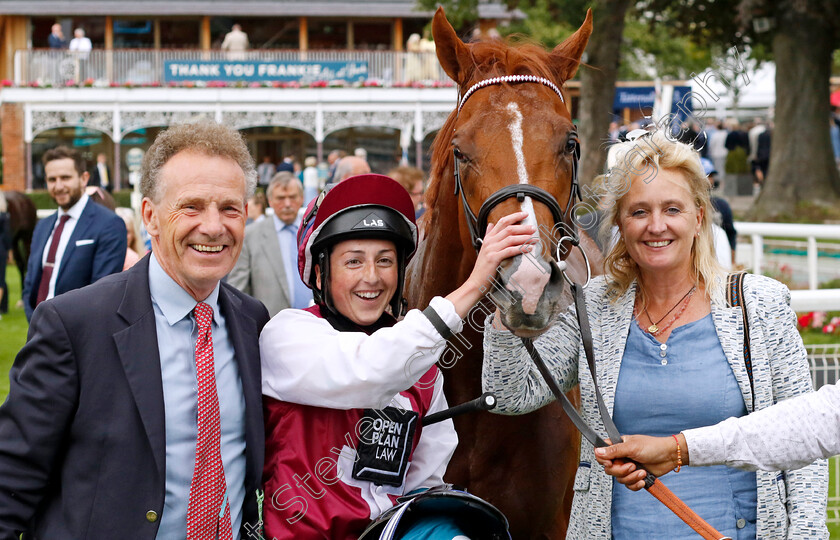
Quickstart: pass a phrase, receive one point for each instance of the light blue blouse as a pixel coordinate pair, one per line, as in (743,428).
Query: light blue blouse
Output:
(664,388)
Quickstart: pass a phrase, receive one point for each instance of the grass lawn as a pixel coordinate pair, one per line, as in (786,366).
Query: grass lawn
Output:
(13,328)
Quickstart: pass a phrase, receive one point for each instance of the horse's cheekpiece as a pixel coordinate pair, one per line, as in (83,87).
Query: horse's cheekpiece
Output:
(476,517)
(477,225)
(385,446)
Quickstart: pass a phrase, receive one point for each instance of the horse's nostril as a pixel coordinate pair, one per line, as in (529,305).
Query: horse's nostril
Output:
(556,272)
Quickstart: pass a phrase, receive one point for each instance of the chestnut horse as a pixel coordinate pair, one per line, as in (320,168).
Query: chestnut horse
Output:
(509,130)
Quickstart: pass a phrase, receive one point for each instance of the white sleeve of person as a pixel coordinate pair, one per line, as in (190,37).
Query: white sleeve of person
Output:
(306,361)
(434,449)
(788,435)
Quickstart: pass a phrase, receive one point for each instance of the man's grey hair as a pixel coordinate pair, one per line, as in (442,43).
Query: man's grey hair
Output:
(283,179)
(205,137)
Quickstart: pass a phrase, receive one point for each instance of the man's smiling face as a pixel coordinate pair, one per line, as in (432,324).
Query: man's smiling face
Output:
(198,222)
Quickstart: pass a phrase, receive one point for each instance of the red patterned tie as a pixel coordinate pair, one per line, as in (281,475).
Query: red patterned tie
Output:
(208,514)
(46,273)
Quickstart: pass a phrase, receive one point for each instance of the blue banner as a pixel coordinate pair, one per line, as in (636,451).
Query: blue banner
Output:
(642,97)
(263,71)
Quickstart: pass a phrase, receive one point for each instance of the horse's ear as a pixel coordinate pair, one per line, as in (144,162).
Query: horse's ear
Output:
(452,53)
(565,58)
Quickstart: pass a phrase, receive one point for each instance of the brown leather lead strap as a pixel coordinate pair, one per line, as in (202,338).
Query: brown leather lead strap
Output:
(675,504)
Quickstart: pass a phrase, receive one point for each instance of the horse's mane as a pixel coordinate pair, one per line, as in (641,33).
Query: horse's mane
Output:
(491,58)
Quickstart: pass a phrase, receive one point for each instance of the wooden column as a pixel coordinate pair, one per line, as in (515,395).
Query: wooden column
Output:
(204,36)
(13,28)
(156,32)
(109,47)
(303,33)
(351,39)
(397,35)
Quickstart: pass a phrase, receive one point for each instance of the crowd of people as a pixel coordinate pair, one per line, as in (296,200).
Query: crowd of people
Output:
(267,374)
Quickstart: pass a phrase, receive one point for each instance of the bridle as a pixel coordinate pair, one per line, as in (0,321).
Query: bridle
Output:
(477,225)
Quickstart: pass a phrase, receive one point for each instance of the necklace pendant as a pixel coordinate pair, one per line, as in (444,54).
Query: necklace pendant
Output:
(652,329)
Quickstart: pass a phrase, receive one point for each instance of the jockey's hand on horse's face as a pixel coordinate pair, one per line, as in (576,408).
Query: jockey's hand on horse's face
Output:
(503,240)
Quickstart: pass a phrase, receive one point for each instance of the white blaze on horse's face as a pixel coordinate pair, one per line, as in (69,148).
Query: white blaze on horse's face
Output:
(529,278)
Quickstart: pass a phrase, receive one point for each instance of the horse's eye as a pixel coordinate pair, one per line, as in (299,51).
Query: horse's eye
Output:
(459,155)
(571,144)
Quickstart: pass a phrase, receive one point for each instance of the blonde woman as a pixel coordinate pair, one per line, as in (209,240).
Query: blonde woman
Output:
(135,250)
(670,357)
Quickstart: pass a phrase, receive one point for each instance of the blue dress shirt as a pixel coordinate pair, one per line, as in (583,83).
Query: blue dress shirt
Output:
(176,334)
(664,388)
(300,295)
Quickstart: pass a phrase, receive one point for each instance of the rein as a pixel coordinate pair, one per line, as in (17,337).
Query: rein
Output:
(477,226)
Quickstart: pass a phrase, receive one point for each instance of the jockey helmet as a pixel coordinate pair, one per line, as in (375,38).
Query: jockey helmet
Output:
(361,207)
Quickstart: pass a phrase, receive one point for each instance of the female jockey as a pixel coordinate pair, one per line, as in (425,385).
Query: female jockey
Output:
(345,384)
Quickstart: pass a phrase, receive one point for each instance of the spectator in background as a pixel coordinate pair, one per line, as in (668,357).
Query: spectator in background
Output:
(266,171)
(77,245)
(56,38)
(236,43)
(80,43)
(288,164)
(360,153)
(311,183)
(5,242)
(350,166)
(135,250)
(411,178)
(332,161)
(257,203)
(722,219)
(267,267)
(762,153)
(717,149)
(834,129)
(101,176)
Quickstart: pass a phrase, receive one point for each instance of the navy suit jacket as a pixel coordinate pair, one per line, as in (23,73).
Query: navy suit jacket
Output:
(84,261)
(82,435)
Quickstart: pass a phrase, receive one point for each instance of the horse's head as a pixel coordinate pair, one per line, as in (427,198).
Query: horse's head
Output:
(511,145)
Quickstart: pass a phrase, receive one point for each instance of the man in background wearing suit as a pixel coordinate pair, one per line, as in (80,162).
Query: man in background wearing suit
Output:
(101,176)
(78,244)
(134,408)
(267,268)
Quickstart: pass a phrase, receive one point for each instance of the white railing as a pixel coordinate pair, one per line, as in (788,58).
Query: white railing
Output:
(146,66)
(811,232)
(801,300)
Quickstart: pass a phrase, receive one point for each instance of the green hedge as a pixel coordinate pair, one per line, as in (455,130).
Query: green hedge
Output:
(43,201)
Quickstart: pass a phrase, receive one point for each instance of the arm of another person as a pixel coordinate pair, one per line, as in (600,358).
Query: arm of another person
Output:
(510,374)
(111,244)
(43,393)
(788,435)
(807,487)
(435,448)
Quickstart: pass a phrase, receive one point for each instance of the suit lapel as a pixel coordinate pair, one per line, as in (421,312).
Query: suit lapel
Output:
(271,247)
(138,349)
(244,335)
(39,245)
(79,231)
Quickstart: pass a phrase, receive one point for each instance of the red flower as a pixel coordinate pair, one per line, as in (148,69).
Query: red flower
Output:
(805,320)
(6,82)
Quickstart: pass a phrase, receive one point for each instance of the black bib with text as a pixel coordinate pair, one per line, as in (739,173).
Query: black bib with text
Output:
(385,445)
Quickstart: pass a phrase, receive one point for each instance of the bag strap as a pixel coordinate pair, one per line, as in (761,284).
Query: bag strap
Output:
(735,298)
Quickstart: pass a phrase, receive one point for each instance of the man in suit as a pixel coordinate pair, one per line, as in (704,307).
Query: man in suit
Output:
(267,268)
(134,409)
(101,176)
(77,245)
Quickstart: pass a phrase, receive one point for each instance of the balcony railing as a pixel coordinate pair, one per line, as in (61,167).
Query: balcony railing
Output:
(49,67)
